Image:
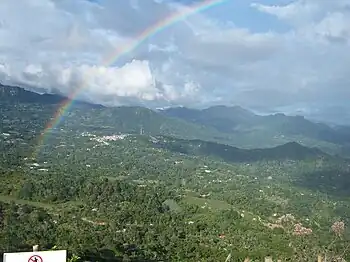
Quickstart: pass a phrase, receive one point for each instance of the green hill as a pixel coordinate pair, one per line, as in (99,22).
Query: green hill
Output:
(105,193)
(89,117)
(249,130)
(233,126)
(15,95)
(289,151)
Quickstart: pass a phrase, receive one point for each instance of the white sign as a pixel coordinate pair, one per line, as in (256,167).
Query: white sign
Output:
(40,256)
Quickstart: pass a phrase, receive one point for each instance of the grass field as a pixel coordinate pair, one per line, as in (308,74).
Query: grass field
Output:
(207,203)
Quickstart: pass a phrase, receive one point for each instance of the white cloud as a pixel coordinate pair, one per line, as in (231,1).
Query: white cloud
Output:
(69,50)
(325,20)
(297,13)
(59,46)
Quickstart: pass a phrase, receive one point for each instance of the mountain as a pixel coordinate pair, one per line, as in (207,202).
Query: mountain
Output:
(288,151)
(222,118)
(194,132)
(233,126)
(135,120)
(14,94)
(83,116)
(251,130)
(93,182)
(298,125)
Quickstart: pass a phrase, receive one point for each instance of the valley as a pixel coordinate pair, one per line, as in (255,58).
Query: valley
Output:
(133,184)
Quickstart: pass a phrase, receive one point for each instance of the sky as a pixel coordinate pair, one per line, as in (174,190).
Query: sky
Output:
(288,56)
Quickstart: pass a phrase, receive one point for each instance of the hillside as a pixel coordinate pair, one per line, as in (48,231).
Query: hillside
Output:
(98,188)
(251,130)
(233,126)
(14,94)
(86,117)
(222,118)
(289,151)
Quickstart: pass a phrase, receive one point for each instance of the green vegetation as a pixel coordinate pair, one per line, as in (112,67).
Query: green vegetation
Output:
(106,193)
(291,151)
(252,131)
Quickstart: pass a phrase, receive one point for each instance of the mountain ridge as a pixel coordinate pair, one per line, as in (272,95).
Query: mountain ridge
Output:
(238,120)
(233,125)
(196,147)
(21,95)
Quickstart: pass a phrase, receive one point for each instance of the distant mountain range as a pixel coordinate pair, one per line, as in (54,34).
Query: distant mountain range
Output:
(256,130)
(234,126)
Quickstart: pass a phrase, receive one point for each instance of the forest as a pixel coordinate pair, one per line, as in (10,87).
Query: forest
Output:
(115,188)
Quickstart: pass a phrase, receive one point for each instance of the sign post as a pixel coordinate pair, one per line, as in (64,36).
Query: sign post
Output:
(37,256)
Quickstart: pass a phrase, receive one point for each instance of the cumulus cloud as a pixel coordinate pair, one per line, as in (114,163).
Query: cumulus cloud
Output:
(74,49)
(61,46)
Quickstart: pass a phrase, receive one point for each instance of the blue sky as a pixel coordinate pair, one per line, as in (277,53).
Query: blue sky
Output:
(242,14)
(268,55)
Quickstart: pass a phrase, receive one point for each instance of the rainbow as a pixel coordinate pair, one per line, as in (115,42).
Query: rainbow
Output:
(125,49)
